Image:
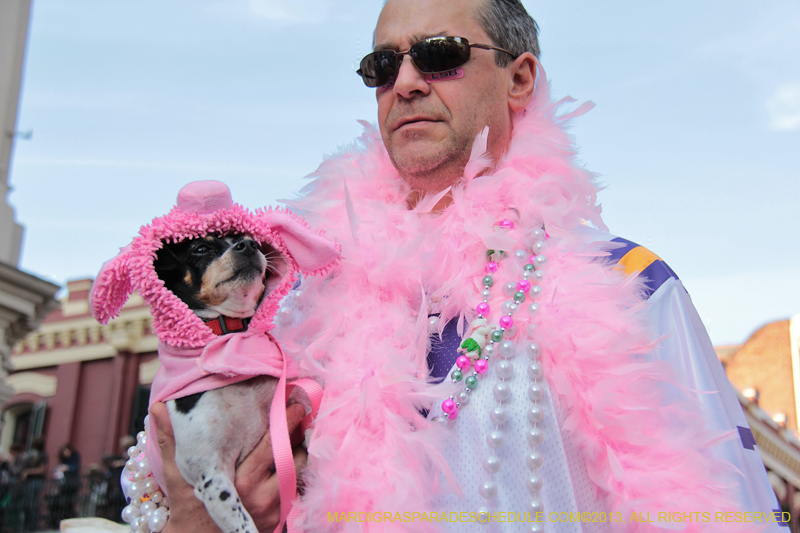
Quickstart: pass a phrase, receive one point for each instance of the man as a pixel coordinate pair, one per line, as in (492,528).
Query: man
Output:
(562,402)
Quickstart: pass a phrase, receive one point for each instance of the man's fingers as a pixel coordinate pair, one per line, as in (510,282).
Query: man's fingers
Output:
(164,435)
(294,415)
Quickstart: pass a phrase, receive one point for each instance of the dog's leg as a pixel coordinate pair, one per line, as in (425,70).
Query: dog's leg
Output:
(215,489)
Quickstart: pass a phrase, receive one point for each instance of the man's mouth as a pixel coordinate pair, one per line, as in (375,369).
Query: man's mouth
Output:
(410,121)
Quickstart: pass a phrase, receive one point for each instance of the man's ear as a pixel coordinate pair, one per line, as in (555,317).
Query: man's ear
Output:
(523,79)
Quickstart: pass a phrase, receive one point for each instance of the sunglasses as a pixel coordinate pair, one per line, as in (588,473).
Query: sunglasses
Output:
(431,56)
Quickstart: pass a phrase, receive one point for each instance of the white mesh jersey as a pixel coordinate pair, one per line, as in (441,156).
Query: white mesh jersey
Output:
(566,485)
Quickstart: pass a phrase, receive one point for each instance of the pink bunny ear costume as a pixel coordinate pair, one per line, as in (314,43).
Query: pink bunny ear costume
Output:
(193,358)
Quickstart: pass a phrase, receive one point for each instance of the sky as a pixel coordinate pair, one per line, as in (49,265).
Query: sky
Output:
(695,134)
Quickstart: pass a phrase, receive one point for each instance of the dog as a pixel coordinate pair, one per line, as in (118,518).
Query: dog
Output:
(213,274)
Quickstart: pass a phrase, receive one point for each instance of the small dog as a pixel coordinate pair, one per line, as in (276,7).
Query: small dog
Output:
(217,277)
(213,274)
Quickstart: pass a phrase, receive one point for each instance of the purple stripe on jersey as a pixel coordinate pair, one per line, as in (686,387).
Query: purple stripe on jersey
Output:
(748,441)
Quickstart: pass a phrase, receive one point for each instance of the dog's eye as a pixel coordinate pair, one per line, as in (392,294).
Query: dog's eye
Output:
(201,249)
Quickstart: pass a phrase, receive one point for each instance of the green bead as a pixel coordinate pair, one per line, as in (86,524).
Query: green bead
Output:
(519,297)
(457,375)
(497,335)
(489,252)
(471,382)
(528,267)
(488,281)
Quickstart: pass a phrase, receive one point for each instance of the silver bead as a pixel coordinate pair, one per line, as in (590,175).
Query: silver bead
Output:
(539,246)
(495,439)
(533,350)
(489,350)
(533,308)
(533,484)
(492,464)
(487,490)
(509,289)
(539,260)
(535,370)
(538,234)
(535,436)
(501,391)
(535,392)
(462,397)
(534,460)
(486,293)
(535,414)
(521,255)
(504,369)
(499,415)
(536,291)
(507,349)
(537,506)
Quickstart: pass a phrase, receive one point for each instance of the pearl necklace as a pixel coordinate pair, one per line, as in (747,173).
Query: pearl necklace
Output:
(148,509)
(482,343)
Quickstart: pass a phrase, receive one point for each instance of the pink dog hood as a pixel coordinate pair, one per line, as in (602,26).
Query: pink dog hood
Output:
(207,207)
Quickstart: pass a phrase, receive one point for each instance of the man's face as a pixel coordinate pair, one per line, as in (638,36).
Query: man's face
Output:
(428,129)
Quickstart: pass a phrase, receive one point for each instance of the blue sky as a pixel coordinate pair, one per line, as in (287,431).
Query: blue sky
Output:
(696,133)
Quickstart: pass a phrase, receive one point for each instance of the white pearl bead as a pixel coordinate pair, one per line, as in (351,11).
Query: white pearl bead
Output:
(539,260)
(495,439)
(492,464)
(483,515)
(165,503)
(136,502)
(536,291)
(533,484)
(539,246)
(433,324)
(489,350)
(535,414)
(141,435)
(486,293)
(537,506)
(439,420)
(135,490)
(462,397)
(521,255)
(507,349)
(501,391)
(533,350)
(538,234)
(488,490)
(534,460)
(535,392)
(526,274)
(130,465)
(138,524)
(505,370)
(157,497)
(507,307)
(509,289)
(150,485)
(533,308)
(499,415)
(537,528)
(535,370)
(535,436)
(511,332)
(129,513)
(137,477)
(157,522)
(147,507)
(142,443)
(133,451)
(144,466)
(538,275)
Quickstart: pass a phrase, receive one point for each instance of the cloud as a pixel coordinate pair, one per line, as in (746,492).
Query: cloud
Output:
(291,11)
(784,107)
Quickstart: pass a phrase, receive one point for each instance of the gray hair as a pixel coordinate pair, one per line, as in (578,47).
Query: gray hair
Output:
(510,27)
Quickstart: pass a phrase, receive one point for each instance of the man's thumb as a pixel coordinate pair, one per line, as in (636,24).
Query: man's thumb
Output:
(159,418)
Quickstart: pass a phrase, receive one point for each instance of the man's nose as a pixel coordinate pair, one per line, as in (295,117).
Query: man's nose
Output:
(246,247)
(410,82)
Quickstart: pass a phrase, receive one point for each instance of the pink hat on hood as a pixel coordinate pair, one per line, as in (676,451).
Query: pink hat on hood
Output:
(205,207)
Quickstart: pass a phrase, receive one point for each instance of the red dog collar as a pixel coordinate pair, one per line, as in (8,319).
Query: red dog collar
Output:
(224,324)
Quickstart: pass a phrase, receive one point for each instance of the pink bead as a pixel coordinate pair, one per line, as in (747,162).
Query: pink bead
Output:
(453,415)
(463,362)
(491,267)
(481,366)
(449,406)
(506,224)
(482,308)
(524,285)
(506,322)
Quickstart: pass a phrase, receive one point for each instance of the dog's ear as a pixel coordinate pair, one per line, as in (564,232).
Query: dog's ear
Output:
(166,260)
(112,287)
(313,253)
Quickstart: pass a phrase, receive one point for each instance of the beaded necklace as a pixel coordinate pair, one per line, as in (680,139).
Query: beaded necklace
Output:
(483,342)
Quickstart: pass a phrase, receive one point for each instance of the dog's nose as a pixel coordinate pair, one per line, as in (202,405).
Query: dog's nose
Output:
(246,247)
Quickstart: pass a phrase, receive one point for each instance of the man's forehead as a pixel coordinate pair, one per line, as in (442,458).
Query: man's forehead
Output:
(405,22)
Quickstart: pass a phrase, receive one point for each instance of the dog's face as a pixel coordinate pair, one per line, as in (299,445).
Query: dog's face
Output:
(215,275)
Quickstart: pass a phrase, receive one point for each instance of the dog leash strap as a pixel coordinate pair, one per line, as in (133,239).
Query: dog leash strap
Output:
(314,392)
(282,449)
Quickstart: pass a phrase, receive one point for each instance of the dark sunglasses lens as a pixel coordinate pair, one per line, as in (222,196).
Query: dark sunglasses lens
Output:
(378,68)
(440,54)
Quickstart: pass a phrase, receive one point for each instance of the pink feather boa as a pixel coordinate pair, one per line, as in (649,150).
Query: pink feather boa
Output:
(364,334)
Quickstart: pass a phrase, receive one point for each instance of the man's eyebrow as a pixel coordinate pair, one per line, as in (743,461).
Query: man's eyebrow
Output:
(417,37)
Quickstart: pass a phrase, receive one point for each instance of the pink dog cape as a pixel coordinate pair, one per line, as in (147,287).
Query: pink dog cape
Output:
(193,359)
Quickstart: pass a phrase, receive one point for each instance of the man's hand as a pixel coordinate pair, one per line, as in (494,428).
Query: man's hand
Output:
(255,481)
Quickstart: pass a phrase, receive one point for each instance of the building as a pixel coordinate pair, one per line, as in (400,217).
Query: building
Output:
(88,384)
